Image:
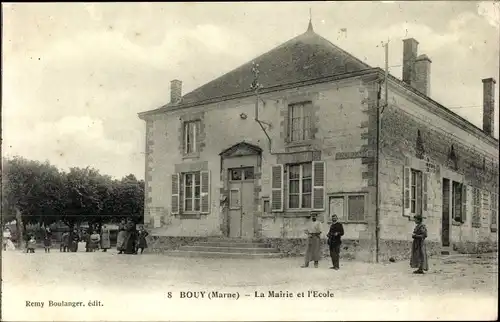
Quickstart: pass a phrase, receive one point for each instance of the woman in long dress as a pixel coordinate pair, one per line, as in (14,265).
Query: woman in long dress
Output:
(74,239)
(105,242)
(141,240)
(419,253)
(130,238)
(120,239)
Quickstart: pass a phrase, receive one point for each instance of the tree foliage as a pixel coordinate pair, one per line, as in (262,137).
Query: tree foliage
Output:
(44,194)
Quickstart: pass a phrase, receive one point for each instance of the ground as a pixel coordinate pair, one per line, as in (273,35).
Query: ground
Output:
(136,287)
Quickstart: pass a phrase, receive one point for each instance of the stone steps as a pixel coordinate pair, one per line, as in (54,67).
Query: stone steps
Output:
(227,248)
(235,255)
(230,244)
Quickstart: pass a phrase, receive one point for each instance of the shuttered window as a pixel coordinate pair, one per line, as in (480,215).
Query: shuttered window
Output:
(494,212)
(205,192)
(415,192)
(191,192)
(175,194)
(277,188)
(319,180)
(476,207)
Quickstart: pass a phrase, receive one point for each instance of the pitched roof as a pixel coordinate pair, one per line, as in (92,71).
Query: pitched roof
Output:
(305,57)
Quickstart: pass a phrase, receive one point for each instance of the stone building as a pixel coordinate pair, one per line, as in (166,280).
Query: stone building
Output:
(232,160)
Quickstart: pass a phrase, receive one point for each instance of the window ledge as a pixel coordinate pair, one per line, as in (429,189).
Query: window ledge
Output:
(349,222)
(296,213)
(410,217)
(290,144)
(476,225)
(457,223)
(194,155)
(190,215)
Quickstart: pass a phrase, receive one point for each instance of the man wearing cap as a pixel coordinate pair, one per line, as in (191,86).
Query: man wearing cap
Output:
(418,252)
(334,241)
(313,242)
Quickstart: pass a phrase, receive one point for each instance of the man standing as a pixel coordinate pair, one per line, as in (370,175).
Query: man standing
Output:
(313,243)
(334,241)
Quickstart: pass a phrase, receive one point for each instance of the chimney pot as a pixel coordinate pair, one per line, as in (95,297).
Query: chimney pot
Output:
(488,105)
(175,91)
(422,81)
(410,50)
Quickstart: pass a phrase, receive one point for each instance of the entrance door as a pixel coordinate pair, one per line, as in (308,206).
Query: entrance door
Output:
(445,222)
(241,202)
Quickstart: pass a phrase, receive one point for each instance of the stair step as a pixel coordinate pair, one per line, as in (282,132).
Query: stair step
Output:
(184,253)
(230,244)
(232,240)
(232,249)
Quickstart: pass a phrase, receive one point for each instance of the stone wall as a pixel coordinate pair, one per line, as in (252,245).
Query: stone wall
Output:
(410,132)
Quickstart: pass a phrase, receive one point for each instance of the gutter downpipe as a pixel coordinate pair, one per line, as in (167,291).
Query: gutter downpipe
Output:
(377,186)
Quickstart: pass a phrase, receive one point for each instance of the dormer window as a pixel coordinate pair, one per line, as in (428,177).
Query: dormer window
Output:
(300,121)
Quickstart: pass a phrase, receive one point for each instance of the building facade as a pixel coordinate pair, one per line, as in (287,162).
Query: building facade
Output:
(231,160)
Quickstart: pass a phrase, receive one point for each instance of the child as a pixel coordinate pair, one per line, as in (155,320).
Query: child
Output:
(95,238)
(142,243)
(47,240)
(31,245)
(64,242)
(6,238)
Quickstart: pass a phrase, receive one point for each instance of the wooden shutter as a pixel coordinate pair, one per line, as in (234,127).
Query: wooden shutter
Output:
(425,193)
(277,188)
(205,192)
(464,203)
(406,191)
(318,189)
(493,211)
(175,193)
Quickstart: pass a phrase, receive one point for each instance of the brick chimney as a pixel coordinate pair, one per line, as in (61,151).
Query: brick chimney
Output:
(422,81)
(410,50)
(488,105)
(175,91)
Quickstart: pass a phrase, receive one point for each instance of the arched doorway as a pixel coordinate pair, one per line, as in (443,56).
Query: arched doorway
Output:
(241,168)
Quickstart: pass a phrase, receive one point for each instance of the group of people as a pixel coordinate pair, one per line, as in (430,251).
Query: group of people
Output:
(129,239)
(313,252)
(418,258)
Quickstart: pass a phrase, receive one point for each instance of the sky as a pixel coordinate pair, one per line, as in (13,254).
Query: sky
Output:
(75,75)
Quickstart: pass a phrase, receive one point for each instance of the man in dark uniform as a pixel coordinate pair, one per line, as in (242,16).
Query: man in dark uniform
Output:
(334,241)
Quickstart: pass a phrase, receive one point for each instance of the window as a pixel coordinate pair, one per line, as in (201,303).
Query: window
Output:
(494,211)
(456,203)
(191,130)
(348,208)
(299,186)
(476,207)
(239,174)
(192,192)
(416,192)
(303,188)
(415,196)
(299,119)
(266,206)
